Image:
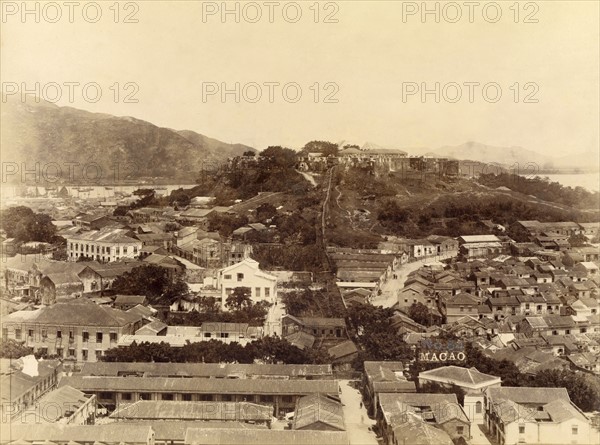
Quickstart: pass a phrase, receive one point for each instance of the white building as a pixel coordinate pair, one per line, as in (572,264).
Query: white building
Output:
(247,274)
(108,244)
(527,415)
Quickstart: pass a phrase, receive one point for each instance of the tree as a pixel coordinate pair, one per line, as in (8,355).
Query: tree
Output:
(157,283)
(324,147)
(180,198)
(172,227)
(378,339)
(147,198)
(277,158)
(265,211)
(391,212)
(23,224)
(582,393)
(239,299)
(249,153)
(420,313)
(13,349)
(297,303)
(60,254)
(578,240)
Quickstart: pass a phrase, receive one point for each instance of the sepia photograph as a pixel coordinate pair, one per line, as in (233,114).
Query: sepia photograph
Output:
(313,222)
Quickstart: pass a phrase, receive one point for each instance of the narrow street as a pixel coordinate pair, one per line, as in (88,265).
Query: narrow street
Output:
(355,416)
(273,319)
(390,288)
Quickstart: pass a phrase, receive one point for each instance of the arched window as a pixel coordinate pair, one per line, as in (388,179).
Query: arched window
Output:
(478,408)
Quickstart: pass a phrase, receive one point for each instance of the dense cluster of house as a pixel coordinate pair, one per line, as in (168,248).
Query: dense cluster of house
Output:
(534,303)
(167,403)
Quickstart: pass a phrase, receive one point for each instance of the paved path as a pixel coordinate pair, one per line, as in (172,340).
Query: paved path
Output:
(273,319)
(356,418)
(389,289)
(478,436)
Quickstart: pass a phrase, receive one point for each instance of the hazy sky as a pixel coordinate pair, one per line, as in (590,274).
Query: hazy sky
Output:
(367,59)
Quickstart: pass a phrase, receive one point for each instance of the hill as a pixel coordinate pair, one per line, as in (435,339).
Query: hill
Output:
(527,161)
(44,133)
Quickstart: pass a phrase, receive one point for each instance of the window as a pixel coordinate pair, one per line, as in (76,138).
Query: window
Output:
(266,399)
(84,354)
(460,430)
(166,396)
(286,399)
(267,292)
(99,337)
(145,396)
(207,334)
(224,397)
(574,430)
(527,305)
(44,334)
(567,331)
(126,396)
(60,352)
(257,292)
(125,250)
(478,408)
(71,353)
(240,277)
(462,308)
(98,355)
(30,333)
(227,277)
(4,332)
(59,334)
(86,336)
(186,397)
(224,334)
(521,429)
(554,332)
(113,337)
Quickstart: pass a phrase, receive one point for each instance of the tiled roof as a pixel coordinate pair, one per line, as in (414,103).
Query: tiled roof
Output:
(343,349)
(201,385)
(130,299)
(322,322)
(60,433)
(81,312)
(106,235)
(64,399)
(177,410)
(533,395)
(204,369)
(301,339)
(459,375)
(318,408)
(417,432)
(196,436)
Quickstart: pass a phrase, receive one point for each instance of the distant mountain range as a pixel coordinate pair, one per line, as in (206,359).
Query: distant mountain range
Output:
(44,133)
(511,157)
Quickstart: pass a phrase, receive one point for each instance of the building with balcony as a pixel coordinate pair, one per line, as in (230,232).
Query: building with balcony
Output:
(78,330)
(105,245)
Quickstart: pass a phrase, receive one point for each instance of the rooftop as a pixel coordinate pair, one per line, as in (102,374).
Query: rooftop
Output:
(176,410)
(460,376)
